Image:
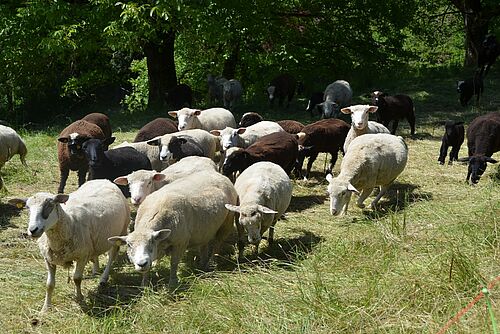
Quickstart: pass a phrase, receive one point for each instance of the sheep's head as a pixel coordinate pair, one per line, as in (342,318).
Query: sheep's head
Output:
(251,217)
(236,160)
(141,183)
(186,117)
(229,137)
(74,142)
(378,98)
(477,166)
(271,90)
(340,194)
(359,115)
(94,151)
(250,118)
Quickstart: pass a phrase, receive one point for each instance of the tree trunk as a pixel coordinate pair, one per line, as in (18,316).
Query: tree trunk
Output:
(229,71)
(161,70)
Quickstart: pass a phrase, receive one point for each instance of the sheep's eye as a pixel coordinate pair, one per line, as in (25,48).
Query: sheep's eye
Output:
(253,213)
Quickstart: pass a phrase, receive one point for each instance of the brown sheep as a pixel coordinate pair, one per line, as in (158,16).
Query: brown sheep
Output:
(155,128)
(291,126)
(101,121)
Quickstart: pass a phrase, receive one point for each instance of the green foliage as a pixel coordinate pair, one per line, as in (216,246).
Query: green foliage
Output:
(137,99)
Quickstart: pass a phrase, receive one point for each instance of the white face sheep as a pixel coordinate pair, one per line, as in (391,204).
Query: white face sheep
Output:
(244,137)
(78,230)
(372,160)
(208,119)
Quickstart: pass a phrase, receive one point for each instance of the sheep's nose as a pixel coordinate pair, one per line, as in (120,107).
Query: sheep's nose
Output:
(142,263)
(333,212)
(136,200)
(33,231)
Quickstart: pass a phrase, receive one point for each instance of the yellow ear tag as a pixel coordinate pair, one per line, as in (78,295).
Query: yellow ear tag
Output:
(20,205)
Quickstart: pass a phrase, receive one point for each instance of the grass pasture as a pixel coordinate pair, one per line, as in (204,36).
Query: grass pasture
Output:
(407,268)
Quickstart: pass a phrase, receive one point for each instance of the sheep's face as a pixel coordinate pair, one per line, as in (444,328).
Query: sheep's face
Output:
(340,195)
(251,217)
(165,154)
(271,90)
(74,142)
(141,183)
(329,109)
(477,166)
(235,161)
(230,137)
(359,115)
(43,213)
(186,118)
(142,247)
(94,151)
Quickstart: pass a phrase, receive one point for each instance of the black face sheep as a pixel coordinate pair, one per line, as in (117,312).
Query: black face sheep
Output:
(180,96)
(394,108)
(470,87)
(291,126)
(69,150)
(454,137)
(101,121)
(336,95)
(181,147)
(279,147)
(250,118)
(155,128)
(281,87)
(312,105)
(488,53)
(326,135)
(113,163)
(483,139)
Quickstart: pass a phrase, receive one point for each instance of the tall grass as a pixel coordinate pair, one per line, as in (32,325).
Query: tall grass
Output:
(407,268)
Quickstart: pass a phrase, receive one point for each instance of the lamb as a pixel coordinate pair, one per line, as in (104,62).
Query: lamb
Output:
(78,230)
(372,160)
(244,137)
(281,87)
(394,108)
(152,152)
(208,119)
(155,128)
(11,144)
(279,147)
(69,150)
(454,137)
(142,182)
(181,147)
(488,53)
(315,99)
(215,87)
(102,121)
(469,87)
(113,163)
(483,139)
(250,118)
(291,126)
(188,213)
(231,93)
(326,135)
(180,96)
(336,95)
(264,191)
(208,142)
(360,123)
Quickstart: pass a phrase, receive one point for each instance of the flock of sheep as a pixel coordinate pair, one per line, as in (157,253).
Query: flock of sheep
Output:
(196,180)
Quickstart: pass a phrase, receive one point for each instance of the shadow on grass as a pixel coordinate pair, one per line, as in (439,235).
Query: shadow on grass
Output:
(7,211)
(300,203)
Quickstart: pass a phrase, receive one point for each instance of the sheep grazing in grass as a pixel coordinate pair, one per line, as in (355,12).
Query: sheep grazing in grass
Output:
(69,150)
(483,139)
(75,228)
(281,87)
(244,137)
(393,108)
(141,183)
(372,160)
(469,87)
(336,95)
(155,128)
(11,144)
(250,118)
(360,124)
(188,213)
(454,137)
(231,93)
(113,163)
(180,96)
(264,191)
(208,119)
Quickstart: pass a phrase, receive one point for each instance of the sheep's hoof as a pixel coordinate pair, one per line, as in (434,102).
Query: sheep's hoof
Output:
(441,162)
(450,163)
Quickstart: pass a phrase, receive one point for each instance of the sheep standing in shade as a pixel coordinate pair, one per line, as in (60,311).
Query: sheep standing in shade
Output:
(208,119)
(11,144)
(454,137)
(360,124)
(75,228)
(372,160)
(215,86)
(264,191)
(231,93)
(393,108)
(188,213)
(469,87)
(281,87)
(180,96)
(337,95)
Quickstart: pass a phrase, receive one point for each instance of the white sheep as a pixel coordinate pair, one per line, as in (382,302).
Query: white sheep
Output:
(264,191)
(244,137)
(372,160)
(78,230)
(209,143)
(10,145)
(337,95)
(188,213)
(360,124)
(141,183)
(231,92)
(208,119)
(152,152)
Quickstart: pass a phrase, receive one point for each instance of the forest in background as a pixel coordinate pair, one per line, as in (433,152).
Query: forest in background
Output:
(59,57)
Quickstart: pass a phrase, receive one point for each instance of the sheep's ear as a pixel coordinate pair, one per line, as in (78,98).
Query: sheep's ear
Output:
(159,177)
(154,142)
(61,198)
(122,180)
(372,109)
(234,208)
(118,240)
(19,203)
(346,111)
(350,187)
(215,132)
(182,140)
(161,235)
(241,131)
(109,141)
(63,140)
(491,160)
(301,135)
(197,112)
(173,113)
(265,209)
(329,177)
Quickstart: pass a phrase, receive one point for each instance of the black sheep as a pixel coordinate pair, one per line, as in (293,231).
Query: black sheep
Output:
(487,54)
(469,87)
(180,96)
(250,118)
(181,147)
(281,87)
(315,99)
(454,137)
(394,108)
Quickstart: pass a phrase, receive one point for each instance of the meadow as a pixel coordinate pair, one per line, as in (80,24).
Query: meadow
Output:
(407,268)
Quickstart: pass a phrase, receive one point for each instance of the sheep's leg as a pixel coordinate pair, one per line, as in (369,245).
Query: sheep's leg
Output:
(270,237)
(77,278)
(364,195)
(453,154)
(51,283)
(82,175)
(62,182)
(95,265)
(241,239)
(394,126)
(383,190)
(175,257)
(333,160)
(310,162)
(442,153)
(204,257)
(111,257)
(411,121)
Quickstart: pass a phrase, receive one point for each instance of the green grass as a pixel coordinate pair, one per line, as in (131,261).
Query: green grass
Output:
(407,268)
